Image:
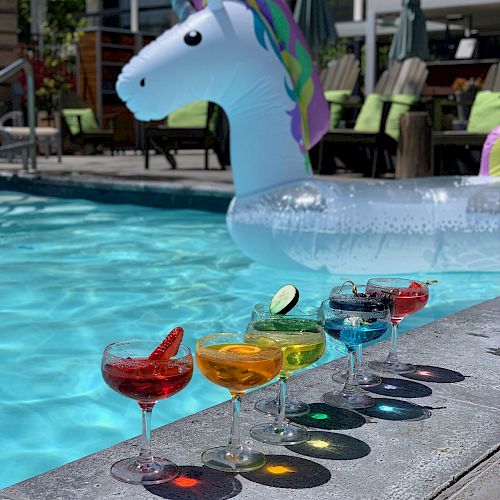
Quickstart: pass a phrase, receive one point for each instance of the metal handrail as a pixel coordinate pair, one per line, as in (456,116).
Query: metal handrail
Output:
(30,144)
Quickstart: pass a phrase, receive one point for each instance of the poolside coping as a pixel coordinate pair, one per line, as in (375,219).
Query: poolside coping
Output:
(185,193)
(454,452)
(123,179)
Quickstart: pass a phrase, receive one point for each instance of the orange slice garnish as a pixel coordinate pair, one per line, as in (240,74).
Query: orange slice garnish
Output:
(241,349)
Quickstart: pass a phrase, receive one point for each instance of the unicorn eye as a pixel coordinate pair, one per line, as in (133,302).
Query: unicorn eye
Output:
(193,38)
(142,82)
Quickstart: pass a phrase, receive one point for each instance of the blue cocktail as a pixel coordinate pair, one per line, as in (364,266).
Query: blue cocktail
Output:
(353,318)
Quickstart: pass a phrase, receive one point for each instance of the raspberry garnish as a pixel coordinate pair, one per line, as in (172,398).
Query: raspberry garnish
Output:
(169,346)
(415,284)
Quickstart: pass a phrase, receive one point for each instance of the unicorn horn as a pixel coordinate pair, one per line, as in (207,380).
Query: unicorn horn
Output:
(215,4)
(183,9)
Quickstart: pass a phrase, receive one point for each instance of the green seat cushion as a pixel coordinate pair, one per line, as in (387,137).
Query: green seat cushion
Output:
(193,115)
(214,118)
(87,118)
(401,103)
(485,112)
(370,114)
(336,98)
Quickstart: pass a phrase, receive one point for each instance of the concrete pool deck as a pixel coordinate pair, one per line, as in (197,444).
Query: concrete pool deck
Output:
(123,179)
(453,454)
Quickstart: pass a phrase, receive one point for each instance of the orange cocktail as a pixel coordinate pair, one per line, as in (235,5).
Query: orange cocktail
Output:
(238,367)
(238,362)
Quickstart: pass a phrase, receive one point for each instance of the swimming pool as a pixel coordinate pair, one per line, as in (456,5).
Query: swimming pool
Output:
(78,275)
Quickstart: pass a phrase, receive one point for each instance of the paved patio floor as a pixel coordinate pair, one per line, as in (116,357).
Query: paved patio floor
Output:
(130,167)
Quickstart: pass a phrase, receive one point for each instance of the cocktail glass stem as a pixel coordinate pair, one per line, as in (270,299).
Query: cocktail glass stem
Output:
(392,363)
(281,431)
(235,438)
(351,396)
(349,387)
(279,422)
(393,355)
(358,362)
(145,458)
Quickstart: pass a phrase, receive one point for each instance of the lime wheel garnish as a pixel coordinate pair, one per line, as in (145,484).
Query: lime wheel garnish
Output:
(284,300)
(169,346)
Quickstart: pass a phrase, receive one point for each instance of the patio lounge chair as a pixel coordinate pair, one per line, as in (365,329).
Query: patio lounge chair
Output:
(12,130)
(484,117)
(200,125)
(338,80)
(340,73)
(377,125)
(80,129)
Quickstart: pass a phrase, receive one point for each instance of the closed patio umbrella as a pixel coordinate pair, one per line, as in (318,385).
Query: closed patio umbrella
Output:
(410,40)
(315,20)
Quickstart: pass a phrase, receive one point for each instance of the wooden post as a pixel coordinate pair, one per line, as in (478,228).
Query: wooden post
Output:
(414,148)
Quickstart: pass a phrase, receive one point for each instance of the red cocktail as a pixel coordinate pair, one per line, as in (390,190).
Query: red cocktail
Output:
(147,381)
(408,301)
(146,372)
(408,297)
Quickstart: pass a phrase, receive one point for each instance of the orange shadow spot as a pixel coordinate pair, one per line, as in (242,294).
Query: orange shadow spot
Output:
(185,482)
(279,469)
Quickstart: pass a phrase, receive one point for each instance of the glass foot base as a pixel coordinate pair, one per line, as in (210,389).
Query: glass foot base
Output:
(387,367)
(228,460)
(348,401)
(291,434)
(367,379)
(129,471)
(362,379)
(292,408)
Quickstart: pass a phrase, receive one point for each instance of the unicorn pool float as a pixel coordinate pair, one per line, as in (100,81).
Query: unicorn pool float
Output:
(251,59)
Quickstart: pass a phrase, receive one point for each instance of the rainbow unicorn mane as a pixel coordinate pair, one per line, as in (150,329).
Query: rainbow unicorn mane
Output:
(309,118)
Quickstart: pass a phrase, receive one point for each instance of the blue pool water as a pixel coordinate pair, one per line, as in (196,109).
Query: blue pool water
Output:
(78,275)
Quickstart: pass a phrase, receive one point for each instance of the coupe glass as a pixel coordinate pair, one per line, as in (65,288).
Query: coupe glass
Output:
(127,369)
(293,408)
(409,297)
(354,319)
(360,376)
(303,343)
(237,362)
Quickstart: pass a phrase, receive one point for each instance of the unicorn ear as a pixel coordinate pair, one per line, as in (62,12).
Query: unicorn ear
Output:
(183,9)
(215,4)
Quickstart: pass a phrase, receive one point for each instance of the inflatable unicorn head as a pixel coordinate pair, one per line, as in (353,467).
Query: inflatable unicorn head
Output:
(251,59)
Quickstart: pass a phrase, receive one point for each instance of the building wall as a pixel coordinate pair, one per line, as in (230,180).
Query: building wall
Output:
(342,10)
(8,32)
(8,46)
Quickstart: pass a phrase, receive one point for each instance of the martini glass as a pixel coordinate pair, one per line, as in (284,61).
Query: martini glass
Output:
(237,362)
(293,408)
(127,369)
(409,297)
(353,318)
(303,343)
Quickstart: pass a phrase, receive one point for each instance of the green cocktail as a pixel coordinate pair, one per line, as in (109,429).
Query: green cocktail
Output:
(302,343)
